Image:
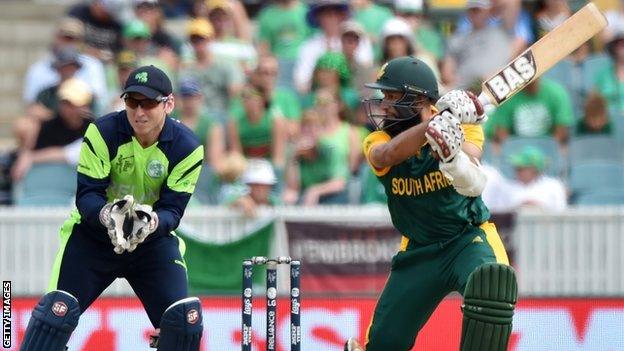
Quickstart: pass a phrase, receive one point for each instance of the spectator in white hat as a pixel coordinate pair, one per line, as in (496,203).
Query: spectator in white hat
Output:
(397,39)
(426,36)
(258,179)
(327,15)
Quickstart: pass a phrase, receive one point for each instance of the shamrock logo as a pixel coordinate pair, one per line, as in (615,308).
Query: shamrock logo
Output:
(141,77)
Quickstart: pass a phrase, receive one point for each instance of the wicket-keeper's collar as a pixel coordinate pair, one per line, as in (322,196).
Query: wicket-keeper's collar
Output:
(165,135)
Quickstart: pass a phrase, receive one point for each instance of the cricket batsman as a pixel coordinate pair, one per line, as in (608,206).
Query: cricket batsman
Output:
(426,153)
(136,173)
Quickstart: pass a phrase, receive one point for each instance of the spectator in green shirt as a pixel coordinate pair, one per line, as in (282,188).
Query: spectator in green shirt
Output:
(264,78)
(324,160)
(595,118)
(190,110)
(282,27)
(332,72)
(192,113)
(258,129)
(543,108)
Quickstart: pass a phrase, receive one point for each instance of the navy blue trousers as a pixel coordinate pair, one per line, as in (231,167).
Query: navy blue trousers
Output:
(156,270)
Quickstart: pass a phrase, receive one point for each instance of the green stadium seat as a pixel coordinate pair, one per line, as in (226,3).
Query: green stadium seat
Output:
(612,196)
(591,176)
(594,148)
(47,184)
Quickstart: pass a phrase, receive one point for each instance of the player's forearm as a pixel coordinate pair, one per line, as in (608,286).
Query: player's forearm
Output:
(90,198)
(170,208)
(400,148)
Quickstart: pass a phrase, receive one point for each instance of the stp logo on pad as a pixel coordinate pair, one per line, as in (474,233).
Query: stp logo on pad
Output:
(192,316)
(59,308)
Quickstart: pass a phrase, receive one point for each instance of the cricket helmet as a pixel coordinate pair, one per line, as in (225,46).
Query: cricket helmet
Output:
(415,80)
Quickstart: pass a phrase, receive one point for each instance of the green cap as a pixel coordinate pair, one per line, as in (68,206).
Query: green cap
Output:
(137,29)
(335,61)
(529,156)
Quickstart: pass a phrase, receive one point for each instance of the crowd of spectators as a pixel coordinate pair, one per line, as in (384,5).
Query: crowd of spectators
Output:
(275,97)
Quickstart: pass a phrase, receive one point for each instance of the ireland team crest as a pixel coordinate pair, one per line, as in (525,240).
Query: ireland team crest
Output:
(141,77)
(155,169)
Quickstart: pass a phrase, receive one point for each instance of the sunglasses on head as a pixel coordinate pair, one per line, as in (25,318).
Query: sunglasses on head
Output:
(146,104)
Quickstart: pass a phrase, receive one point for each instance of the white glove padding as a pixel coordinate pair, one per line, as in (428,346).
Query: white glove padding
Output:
(464,105)
(445,135)
(145,222)
(117,216)
(467,178)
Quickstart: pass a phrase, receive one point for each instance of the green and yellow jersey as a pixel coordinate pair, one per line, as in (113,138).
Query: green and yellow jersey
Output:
(113,164)
(422,202)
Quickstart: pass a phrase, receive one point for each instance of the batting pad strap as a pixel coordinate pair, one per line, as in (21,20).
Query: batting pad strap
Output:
(497,312)
(52,322)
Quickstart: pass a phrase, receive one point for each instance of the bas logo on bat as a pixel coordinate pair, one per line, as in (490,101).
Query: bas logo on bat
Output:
(513,77)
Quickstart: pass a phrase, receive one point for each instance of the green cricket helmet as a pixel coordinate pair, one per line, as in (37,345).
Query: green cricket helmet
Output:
(415,80)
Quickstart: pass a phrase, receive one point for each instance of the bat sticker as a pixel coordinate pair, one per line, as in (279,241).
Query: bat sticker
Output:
(512,78)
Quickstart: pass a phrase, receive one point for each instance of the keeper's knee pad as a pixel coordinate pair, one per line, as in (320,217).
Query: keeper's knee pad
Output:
(52,322)
(489,301)
(181,326)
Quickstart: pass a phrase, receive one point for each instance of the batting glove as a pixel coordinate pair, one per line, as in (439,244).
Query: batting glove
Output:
(445,135)
(116,216)
(464,105)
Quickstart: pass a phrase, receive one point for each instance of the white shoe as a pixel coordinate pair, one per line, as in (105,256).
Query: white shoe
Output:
(353,345)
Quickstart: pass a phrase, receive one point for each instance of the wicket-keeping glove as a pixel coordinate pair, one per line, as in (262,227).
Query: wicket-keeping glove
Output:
(116,216)
(145,222)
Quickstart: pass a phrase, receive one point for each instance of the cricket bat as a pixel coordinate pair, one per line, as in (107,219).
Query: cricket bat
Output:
(542,55)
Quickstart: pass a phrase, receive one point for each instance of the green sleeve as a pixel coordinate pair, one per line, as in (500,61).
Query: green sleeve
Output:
(94,158)
(184,175)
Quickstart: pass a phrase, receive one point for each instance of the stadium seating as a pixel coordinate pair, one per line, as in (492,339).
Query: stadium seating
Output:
(47,184)
(578,80)
(617,122)
(607,196)
(586,148)
(592,176)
